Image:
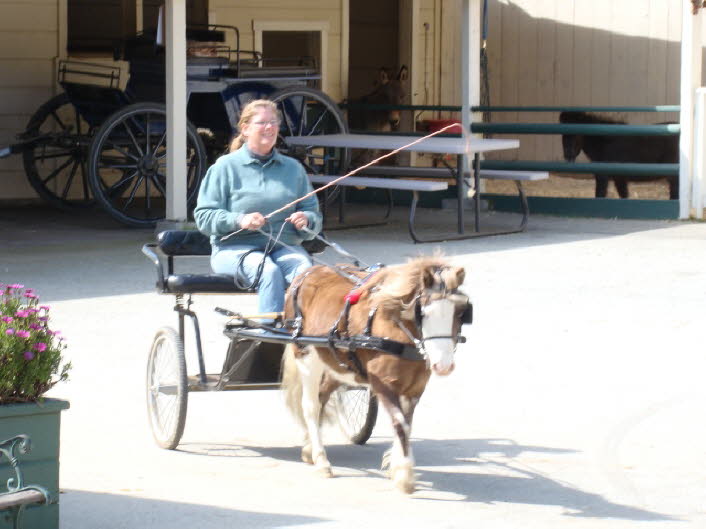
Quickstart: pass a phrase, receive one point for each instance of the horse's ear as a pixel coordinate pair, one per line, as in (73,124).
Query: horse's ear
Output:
(460,274)
(403,74)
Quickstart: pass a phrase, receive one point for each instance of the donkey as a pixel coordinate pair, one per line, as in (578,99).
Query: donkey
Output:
(416,304)
(389,90)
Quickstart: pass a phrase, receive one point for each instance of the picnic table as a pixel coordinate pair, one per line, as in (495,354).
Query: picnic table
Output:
(403,177)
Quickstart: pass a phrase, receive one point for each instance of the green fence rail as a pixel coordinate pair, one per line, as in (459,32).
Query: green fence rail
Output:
(456,108)
(607,168)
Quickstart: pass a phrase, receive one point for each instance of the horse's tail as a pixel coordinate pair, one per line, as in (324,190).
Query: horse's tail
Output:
(292,384)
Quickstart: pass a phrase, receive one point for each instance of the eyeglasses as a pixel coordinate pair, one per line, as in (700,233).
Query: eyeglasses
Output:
(273,122)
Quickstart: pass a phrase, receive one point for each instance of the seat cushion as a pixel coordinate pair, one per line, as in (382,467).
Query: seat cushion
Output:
(203,283)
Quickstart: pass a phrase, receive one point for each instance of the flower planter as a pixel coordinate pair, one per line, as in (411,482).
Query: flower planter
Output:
(41,422)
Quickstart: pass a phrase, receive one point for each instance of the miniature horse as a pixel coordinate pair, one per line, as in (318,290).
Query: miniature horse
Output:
(417,304)
(603,148)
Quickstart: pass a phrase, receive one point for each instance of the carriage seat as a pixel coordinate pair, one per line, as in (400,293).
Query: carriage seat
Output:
(179,243)
(182,243)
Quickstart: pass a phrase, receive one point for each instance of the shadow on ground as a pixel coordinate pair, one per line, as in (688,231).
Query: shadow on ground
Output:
(113,511)
(488,473)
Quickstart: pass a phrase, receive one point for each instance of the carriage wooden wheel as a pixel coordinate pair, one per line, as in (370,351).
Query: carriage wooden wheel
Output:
(127,164)
(55,163)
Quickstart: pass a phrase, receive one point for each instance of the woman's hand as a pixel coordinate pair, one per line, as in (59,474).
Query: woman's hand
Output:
(299,219)
(252,221)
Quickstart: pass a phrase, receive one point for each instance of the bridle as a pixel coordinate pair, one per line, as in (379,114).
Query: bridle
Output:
(424,298)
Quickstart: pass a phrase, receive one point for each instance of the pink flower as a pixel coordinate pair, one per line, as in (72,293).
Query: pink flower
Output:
(43,318)
(40,347)
(22,313)
(22,334)
(54,333)
(10,332)
(35,326)
(29,295)
(32,311)
(15,286)
(7,319)
(28,355)
(44,307)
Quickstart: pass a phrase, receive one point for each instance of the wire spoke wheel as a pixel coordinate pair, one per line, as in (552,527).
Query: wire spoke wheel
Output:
(55,163)
(308,112)
(128,164)
(167,390)
(356,410)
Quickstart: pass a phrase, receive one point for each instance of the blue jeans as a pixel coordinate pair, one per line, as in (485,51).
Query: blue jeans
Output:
(281,267)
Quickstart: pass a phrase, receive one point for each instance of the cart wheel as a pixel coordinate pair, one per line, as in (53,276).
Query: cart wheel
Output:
(127,164)
(56,164)
(357,411)
(167,390)
(309,112)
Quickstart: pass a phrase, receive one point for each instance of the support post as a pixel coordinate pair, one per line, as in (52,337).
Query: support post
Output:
(470,66)
(698,181)
(690,81)
(176,109)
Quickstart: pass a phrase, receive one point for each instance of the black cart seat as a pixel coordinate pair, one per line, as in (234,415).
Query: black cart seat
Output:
(178,243)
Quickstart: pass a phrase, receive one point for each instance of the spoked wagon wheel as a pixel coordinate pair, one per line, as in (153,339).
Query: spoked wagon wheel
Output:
(357,411)
(309,112)
(127,164)
(55,163)
(167,389)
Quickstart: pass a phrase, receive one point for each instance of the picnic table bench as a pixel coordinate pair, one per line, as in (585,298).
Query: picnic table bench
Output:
(407,179)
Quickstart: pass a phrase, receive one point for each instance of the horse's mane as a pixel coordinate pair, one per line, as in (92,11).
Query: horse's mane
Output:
(587,117)
(394,286)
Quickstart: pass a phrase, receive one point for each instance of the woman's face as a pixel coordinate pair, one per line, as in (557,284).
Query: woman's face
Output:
(261,131)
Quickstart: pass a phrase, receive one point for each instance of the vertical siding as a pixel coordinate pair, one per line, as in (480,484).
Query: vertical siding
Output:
(28,46)
(575,52)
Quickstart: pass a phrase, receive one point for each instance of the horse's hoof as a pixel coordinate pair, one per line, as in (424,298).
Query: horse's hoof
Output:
(325,472)
(408,487)
(403,478)
(306,455)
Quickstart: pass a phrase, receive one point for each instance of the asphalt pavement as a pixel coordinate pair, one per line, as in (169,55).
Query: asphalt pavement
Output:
(577,400)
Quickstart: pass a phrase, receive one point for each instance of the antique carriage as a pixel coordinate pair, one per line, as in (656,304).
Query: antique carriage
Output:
(98,142)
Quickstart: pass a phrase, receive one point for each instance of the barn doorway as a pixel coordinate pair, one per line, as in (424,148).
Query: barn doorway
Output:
(373,42)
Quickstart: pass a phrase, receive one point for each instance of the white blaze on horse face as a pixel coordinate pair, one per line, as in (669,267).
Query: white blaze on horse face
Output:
(437,320)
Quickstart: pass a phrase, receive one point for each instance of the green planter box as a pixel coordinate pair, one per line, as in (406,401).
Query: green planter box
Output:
(41,423)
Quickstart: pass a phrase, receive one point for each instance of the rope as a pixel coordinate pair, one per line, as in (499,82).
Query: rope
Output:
(351,173)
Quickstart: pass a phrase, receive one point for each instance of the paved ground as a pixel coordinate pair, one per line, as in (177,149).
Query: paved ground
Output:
(577,401)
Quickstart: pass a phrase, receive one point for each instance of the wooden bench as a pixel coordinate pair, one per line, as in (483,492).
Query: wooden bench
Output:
(18,496)
(401,178)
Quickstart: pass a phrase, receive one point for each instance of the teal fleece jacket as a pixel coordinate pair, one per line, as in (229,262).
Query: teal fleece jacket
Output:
(238,184)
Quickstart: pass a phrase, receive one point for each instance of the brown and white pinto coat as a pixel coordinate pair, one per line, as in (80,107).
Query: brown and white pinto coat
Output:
(311,374)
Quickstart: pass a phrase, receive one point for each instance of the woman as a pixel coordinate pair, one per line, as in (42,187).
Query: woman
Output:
(236,194)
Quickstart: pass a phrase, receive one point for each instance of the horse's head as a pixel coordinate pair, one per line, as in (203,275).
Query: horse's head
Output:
(389,90)
(572,143)
(425,293)
(439,314)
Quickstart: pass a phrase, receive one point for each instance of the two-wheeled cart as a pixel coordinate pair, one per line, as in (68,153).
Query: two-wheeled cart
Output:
(254,354)
(97,142)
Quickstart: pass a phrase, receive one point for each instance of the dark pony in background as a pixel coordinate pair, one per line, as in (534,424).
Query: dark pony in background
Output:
(636,149)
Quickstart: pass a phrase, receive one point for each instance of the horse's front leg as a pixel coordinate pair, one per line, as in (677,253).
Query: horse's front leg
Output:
(399,459)
(311,369)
